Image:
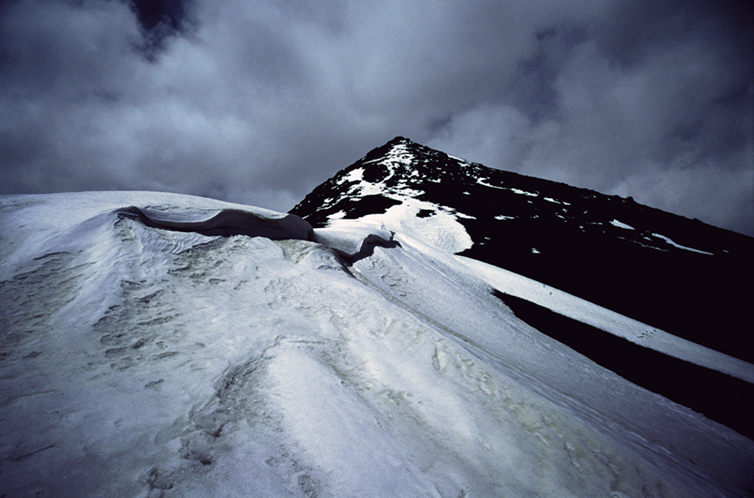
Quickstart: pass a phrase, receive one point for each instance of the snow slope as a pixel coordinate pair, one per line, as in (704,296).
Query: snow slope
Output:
(142,361)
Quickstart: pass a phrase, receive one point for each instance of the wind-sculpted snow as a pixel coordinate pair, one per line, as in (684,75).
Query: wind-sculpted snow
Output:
(142,361)
(228,222)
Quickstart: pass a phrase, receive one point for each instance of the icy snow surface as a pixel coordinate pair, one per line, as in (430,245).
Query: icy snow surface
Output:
(139,361)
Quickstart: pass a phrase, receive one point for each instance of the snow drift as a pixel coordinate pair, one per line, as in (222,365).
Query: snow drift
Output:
(227,222)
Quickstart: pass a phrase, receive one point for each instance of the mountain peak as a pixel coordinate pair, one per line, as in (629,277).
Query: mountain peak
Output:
(399,140)
(386,176)
(642,262)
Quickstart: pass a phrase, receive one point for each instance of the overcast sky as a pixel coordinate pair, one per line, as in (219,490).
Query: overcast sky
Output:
(260,101)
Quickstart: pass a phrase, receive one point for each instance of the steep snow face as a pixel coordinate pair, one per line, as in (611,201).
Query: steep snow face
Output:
(140,361)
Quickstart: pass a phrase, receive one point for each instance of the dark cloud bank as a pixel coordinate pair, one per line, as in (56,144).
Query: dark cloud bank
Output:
(258,102)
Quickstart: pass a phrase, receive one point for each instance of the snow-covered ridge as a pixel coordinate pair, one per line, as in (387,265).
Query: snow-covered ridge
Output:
(143,360)
(45,214)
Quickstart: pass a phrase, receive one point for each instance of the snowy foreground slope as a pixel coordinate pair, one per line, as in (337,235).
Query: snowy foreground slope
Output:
(155,345)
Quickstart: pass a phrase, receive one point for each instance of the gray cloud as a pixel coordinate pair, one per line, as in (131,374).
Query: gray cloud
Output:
(259,102)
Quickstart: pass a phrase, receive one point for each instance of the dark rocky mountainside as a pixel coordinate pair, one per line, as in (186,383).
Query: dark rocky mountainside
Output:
(681,275)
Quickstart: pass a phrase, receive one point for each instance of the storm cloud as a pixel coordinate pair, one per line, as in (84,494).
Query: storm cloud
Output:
(258,102)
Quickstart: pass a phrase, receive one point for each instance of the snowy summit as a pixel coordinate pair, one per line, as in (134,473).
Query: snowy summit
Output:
(168,345)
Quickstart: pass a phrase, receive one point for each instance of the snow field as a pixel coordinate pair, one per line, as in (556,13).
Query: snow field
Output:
(158,363)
